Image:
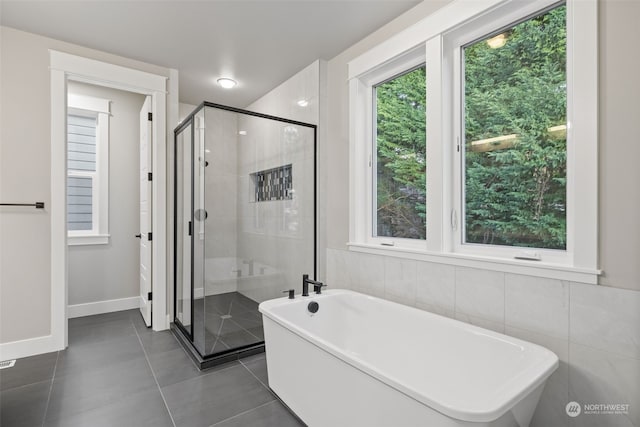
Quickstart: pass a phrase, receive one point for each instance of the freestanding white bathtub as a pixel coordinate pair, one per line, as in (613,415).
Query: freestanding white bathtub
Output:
(364,361)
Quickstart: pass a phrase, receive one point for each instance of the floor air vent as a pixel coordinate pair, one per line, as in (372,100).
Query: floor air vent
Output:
(7,364)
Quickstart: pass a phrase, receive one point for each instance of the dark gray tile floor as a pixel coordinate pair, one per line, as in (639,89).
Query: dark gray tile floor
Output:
(116,372)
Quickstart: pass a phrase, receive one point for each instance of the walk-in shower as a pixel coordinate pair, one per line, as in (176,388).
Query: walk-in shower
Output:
(244,224)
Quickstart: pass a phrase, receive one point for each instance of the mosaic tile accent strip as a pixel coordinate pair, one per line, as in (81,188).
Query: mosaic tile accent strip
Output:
(273,184)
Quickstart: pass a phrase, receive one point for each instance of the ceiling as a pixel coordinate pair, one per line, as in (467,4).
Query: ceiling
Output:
(259,43)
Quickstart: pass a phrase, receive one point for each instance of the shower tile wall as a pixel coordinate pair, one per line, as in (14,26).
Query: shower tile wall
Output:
(275,236)
(594,330)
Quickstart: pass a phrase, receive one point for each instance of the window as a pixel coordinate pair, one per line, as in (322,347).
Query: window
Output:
(400,147)
(390,200)
(81,172)
(515,154)
(87,170)
(511,126)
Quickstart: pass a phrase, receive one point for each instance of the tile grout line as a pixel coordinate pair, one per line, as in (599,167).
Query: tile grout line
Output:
(243,413)
(53,377)
(504,302)
(232,364)
(204,373)
(455,292)
(256,377)
(146,357)
(276,397)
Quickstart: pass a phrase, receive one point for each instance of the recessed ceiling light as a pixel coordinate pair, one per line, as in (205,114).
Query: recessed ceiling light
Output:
(303,103)
(242,132)
(227,83)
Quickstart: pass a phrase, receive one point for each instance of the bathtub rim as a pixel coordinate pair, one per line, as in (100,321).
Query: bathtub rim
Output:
(546,366)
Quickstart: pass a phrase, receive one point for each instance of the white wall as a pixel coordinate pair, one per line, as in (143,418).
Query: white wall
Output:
(184,110)
(282,101)
(25,159)
(108,272)
(595,330)
(619,148)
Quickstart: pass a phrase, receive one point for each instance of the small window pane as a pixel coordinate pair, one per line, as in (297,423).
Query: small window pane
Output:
(400,168)
(79,203)
(81,142)
(515,153)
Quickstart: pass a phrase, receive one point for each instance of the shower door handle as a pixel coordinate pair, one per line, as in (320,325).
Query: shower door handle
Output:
(139,236)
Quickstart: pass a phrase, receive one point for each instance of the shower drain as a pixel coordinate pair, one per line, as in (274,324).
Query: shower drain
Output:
(7,364)
(225,316)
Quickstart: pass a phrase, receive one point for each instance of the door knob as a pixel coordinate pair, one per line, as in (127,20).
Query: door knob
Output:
(139,236)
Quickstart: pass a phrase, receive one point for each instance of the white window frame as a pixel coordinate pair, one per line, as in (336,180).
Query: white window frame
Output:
(407,62)
(99,108)
(453,43)
(439,36)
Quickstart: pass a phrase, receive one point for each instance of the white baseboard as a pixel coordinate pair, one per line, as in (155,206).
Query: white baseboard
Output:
(30,347)
(99,307)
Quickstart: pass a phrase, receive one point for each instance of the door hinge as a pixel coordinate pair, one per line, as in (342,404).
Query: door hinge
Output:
(149,176)
(150,296)
(150,116)
(190,228)
(150,236)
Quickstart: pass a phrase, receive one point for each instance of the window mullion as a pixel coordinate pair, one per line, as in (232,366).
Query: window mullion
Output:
(437,157)
(454,213)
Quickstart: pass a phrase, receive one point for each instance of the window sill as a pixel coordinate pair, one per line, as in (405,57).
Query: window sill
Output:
(93,239)
(528,268)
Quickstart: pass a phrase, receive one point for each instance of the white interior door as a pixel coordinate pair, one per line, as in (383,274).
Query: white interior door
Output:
(145,235)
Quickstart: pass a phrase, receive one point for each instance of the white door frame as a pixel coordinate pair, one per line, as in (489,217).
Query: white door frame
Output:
(66,67)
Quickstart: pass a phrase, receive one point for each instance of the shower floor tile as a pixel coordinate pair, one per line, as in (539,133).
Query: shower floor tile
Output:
(116,372)
(230,320)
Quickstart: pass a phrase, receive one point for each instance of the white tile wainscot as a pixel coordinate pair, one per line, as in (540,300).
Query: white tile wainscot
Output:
(436,288)
(602,317)
(400,278)
(594,330)
(551,408)
(604,378)
(480,293)
(369,274)
(537,304)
